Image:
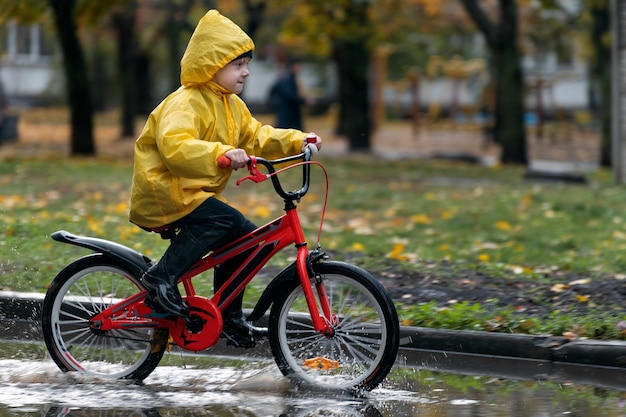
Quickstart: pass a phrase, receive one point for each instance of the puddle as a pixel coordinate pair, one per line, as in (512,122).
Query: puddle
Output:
(38,388)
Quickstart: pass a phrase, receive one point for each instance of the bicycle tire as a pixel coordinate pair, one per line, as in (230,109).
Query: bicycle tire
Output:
(81,290)
(365,344)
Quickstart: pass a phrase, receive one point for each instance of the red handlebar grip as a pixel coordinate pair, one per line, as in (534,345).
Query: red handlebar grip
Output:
(223,162)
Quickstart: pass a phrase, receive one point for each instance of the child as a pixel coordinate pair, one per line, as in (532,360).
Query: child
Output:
(177,181)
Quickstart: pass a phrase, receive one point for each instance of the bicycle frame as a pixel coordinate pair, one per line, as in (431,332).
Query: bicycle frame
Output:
(260,246)
(263,243)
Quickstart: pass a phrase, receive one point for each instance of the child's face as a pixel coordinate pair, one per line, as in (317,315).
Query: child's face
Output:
(233,75)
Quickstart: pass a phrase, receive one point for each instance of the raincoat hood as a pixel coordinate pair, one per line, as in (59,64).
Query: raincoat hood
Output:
(215,42)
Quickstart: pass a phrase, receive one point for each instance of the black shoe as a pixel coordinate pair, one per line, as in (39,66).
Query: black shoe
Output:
(240,333)
(166,295)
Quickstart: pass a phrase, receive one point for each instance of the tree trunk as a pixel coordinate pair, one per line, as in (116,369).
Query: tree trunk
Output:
(143,82)
(601,75)
(254,10)
(98,80)
(352,61)
(509,126)
(177,13)
(509,89)
(77,85)
(124,21)
(352,58)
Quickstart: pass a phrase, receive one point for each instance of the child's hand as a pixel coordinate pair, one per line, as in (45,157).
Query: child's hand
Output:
(312,138)
(238,158)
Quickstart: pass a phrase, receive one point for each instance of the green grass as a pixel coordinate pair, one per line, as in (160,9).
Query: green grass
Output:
(439,211)
(402,211)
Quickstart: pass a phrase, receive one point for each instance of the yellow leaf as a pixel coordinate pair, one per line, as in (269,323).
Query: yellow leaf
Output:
(94,225)
(484,257)
(503,225)
(444,247)
(527,199)
(263,212)
(396,252)
(582,298)
(121,208)
(445,215)
(321,363)
(420,219)
(358,247)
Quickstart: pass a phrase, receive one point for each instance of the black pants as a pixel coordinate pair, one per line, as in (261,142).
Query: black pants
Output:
(209,227)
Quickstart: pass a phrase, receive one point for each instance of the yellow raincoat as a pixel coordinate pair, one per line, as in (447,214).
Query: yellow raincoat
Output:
(176,154)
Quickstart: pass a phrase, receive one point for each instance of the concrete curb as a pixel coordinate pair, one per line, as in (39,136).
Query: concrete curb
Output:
(538,348)
(20,315)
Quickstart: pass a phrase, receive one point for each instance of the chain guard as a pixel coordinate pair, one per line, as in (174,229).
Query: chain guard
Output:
(208,320)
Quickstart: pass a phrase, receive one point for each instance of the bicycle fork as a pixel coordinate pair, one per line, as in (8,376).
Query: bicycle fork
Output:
(323,322)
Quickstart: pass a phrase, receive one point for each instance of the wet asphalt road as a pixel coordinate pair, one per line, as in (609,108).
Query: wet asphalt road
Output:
(526,376)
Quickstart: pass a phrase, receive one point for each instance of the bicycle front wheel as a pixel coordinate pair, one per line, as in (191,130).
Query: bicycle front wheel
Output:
(363,348)
(81,290)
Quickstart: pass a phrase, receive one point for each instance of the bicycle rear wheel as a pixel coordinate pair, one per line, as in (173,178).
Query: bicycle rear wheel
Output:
(363,348)
(82,289)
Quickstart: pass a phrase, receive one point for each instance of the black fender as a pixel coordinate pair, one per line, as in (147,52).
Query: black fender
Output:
(135,261)
(285,281)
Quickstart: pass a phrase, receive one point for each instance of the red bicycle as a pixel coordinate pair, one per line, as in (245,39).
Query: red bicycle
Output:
(331,324)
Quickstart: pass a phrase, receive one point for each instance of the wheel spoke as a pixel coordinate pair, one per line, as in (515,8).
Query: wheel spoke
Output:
(74,297)
(365,339)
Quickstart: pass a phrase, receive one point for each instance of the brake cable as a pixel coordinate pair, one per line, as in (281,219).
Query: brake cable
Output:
(297,164)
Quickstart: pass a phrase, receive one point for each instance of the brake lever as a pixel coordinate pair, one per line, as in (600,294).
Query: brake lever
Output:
(255,175)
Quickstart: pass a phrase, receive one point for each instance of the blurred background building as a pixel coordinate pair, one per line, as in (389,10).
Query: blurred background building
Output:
(31,74)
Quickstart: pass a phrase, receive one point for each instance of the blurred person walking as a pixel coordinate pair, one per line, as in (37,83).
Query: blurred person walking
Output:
(285,99)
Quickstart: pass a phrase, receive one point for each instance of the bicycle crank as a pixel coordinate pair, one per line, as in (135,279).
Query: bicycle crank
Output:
(201,329)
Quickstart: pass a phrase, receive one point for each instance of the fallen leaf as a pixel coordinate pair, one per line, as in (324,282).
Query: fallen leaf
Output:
(358,247)
(559,287)
(582,298)
(570,335)
(580,281)
(420,219)
(503,225)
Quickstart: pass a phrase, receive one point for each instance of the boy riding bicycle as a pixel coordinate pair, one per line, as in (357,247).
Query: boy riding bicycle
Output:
(177,182)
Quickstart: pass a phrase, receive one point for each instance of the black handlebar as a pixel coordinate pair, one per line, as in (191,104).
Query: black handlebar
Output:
(288,196)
